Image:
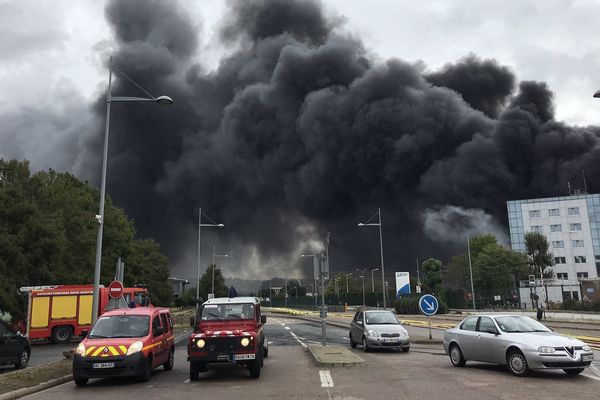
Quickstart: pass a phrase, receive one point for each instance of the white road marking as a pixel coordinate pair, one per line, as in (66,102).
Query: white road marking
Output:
(326,379)
(187,380)
(344,337)
(288,328)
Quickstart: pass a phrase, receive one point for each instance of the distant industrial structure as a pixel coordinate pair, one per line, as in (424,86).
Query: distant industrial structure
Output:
(572,226)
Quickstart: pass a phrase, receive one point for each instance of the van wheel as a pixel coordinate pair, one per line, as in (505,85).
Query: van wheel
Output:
(23,359)
(168,365)
(147,371)
(81,381)
(61,334)
(195,369)
(266,352)
(254,366)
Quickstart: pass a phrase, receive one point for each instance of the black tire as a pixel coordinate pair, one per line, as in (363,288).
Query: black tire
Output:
(266,352)
(516,363)
(168,365)
(61,334)
(365,346)
(405,349)
(23,359)
(81,382)
(352,342)
(147,371)
(456,356)
(574,371)
(194,370)
(254,366)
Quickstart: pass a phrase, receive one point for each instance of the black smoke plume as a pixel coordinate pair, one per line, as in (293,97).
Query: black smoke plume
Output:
(300,131)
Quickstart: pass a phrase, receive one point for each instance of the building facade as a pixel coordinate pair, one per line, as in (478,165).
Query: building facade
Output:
(572,226)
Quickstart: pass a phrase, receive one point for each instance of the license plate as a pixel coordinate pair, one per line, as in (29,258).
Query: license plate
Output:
(587,357)
(238,357)
(390,340)
(104,365)
(223,357)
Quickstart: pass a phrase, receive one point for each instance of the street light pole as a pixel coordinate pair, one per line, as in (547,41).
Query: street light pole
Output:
(471,271)
(165,100)
(372,280)
(363,288)
(200,225)
(347,275)
(381,249)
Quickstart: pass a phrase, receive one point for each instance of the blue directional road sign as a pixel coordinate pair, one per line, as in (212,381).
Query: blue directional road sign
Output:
(428,304)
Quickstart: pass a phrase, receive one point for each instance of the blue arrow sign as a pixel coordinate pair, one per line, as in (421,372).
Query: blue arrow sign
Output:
(428,304)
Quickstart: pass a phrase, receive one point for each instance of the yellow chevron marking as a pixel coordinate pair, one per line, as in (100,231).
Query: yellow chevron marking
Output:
(95,354)
(113,351)
(89,350)
(151,346)
(123,349)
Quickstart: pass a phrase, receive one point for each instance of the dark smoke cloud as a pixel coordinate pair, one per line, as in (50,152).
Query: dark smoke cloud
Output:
(300,131)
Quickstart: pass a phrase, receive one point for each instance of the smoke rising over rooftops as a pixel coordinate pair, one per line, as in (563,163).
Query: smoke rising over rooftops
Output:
(300,131)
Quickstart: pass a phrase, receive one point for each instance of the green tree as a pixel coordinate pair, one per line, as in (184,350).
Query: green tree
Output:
(496,271)
(432,275)
(538,254)
(294,288)
(206,283)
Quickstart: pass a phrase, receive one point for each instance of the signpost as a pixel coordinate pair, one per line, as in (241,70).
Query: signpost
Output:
(115,289)
(429,306)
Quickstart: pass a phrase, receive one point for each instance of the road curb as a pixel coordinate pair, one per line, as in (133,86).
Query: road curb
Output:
(339,356)
(15,394)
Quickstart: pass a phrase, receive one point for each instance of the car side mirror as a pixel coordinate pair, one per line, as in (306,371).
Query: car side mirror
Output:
(158,331)
(84,334)
(493,331)
(263,319)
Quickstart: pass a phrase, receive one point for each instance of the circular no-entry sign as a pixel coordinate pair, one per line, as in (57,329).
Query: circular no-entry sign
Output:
(115,289)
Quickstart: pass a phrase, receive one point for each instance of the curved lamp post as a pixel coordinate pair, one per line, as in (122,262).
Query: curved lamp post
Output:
(163,100)
(381,248)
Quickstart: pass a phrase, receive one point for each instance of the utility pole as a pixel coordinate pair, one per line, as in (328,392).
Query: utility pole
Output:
(471,271)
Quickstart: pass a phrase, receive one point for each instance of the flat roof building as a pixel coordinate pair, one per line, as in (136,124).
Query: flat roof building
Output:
(572,226)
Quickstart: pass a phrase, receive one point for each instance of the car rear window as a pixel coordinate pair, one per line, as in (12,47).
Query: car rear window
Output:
(469,324)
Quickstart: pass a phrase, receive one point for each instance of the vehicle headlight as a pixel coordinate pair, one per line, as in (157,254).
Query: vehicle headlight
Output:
(586,348)
(372,333)
(135,347)
(245,341)
(403,333)
(546,349)
(200,343)
(80,350)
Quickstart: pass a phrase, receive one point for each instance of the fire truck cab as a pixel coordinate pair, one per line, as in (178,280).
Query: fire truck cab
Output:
(228,331)
(61,311)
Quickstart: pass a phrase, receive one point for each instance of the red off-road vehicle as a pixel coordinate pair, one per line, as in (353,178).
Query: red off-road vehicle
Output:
(228,331)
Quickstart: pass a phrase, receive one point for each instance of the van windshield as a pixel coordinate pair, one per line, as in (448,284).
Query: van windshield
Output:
(120,326)
(222,312)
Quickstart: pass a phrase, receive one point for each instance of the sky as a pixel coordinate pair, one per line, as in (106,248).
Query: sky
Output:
(54,53)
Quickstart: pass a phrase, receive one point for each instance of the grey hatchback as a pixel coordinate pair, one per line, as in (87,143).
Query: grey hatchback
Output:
(378,329)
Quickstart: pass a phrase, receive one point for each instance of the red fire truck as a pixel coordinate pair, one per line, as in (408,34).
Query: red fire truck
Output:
(62,311)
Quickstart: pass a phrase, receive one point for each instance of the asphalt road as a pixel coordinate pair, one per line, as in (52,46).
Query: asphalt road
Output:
(423,373)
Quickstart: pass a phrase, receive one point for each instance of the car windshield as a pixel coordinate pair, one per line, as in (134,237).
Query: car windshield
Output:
(221,312)
(512,324)
(381,318)
(120,326)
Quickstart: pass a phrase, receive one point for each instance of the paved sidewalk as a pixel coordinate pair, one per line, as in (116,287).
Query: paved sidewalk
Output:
(333,356)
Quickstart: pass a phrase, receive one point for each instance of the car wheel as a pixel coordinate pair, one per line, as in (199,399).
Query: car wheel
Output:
(574,371)
(194,370)
(254,366)
(405,349)
(517,364)
(352,342)
(81,381)
(168,365)
(456,356)
(365,345)
(147,371)
(266,352)
(23,359)
(61,334)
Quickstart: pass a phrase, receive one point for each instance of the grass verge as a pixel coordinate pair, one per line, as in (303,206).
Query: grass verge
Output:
(33,376)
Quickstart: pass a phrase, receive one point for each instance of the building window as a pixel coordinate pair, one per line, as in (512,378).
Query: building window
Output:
(562,276)
(582,274)
(577,243)
(575,227)
(579,259)
(560,260)
(534,214)
(554,212)
(573,210)
(536,228)
(558,244)
(556,228)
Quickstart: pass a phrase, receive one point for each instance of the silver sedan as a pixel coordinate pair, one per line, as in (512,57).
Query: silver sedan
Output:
(378,329)
(521,343)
